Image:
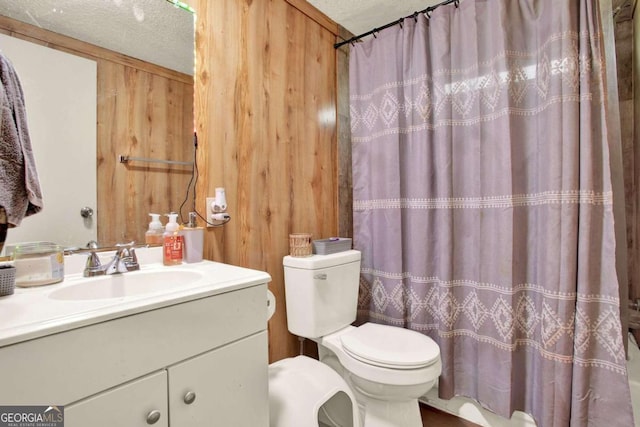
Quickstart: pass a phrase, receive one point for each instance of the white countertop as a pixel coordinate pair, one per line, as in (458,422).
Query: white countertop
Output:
(31,312)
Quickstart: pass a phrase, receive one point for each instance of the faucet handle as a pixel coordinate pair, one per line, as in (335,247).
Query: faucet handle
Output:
(132,254)
(131,261)
(128,256)
(93,261)
(122,249)
(93,267)
(125,246)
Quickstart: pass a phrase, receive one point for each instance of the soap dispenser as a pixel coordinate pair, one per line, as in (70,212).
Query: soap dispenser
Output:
(153,236)
(173,242)
(193,240)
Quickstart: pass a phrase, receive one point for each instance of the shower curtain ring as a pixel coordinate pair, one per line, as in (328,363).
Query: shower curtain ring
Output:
(375,31)
(427,13)
(415,16)
(456,3)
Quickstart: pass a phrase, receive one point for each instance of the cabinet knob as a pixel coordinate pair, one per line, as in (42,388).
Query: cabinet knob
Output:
(189,397)
(153,416)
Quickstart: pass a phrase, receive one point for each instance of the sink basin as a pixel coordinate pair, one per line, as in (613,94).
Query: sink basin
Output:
(127,284)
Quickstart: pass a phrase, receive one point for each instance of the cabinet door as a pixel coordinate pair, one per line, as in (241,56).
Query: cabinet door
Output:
(228,386)
(131,405)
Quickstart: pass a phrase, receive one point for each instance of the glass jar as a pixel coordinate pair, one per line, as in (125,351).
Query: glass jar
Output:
(38,263)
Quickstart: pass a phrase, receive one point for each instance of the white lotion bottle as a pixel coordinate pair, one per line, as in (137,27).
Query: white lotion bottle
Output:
(193,240)
(154,234)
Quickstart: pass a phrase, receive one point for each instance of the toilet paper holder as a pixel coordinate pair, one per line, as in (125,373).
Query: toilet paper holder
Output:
(271,304)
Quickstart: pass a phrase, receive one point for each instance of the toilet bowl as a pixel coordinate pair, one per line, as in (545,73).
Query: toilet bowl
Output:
(306,393)
(386,368)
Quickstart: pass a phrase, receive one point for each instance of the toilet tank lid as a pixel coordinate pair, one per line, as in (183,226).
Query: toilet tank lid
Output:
(315,262)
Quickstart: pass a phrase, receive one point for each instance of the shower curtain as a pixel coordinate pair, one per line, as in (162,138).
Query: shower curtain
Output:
(483,203)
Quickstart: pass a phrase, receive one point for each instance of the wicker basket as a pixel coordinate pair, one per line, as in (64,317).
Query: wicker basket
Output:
(300,244)
(7,279)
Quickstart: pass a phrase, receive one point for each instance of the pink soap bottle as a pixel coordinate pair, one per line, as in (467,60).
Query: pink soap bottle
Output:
(172,242)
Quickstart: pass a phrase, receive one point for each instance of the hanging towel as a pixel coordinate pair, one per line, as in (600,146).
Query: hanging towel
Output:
(20,193)
(3,227)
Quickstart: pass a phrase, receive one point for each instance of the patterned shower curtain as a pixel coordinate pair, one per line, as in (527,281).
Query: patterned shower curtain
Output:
(483,203)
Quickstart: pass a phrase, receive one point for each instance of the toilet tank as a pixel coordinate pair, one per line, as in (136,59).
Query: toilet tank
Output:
(321,292)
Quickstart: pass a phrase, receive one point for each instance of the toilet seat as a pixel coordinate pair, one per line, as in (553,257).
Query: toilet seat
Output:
(406,376)
(390,347)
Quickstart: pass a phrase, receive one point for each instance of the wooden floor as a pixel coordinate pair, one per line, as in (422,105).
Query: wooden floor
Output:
(432,417)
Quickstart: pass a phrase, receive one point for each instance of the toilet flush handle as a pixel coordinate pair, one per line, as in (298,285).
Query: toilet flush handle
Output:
(320,276)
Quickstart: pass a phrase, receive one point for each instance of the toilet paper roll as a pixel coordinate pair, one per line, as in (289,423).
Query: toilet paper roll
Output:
(271,304)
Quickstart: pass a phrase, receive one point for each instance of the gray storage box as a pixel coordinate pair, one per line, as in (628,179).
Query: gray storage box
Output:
(331,246)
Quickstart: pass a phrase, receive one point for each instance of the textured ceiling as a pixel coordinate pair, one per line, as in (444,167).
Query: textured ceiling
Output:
(360,16)
(158,32)
(152,30)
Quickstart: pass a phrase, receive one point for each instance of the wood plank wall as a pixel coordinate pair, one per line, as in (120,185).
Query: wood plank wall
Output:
(345,171)
(266,119)
(634,132)
(150,116)
(144,111)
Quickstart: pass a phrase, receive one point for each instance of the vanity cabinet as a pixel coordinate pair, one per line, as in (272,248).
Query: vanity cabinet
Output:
(136,404)
(197,363)
(221,387)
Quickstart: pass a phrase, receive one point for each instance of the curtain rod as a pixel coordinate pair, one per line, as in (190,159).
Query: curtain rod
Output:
(414,15)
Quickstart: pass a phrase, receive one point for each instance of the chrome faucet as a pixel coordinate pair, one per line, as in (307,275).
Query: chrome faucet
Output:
(124,260)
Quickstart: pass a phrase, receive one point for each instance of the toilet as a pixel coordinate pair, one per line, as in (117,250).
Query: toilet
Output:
(306,393)
(386,368)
